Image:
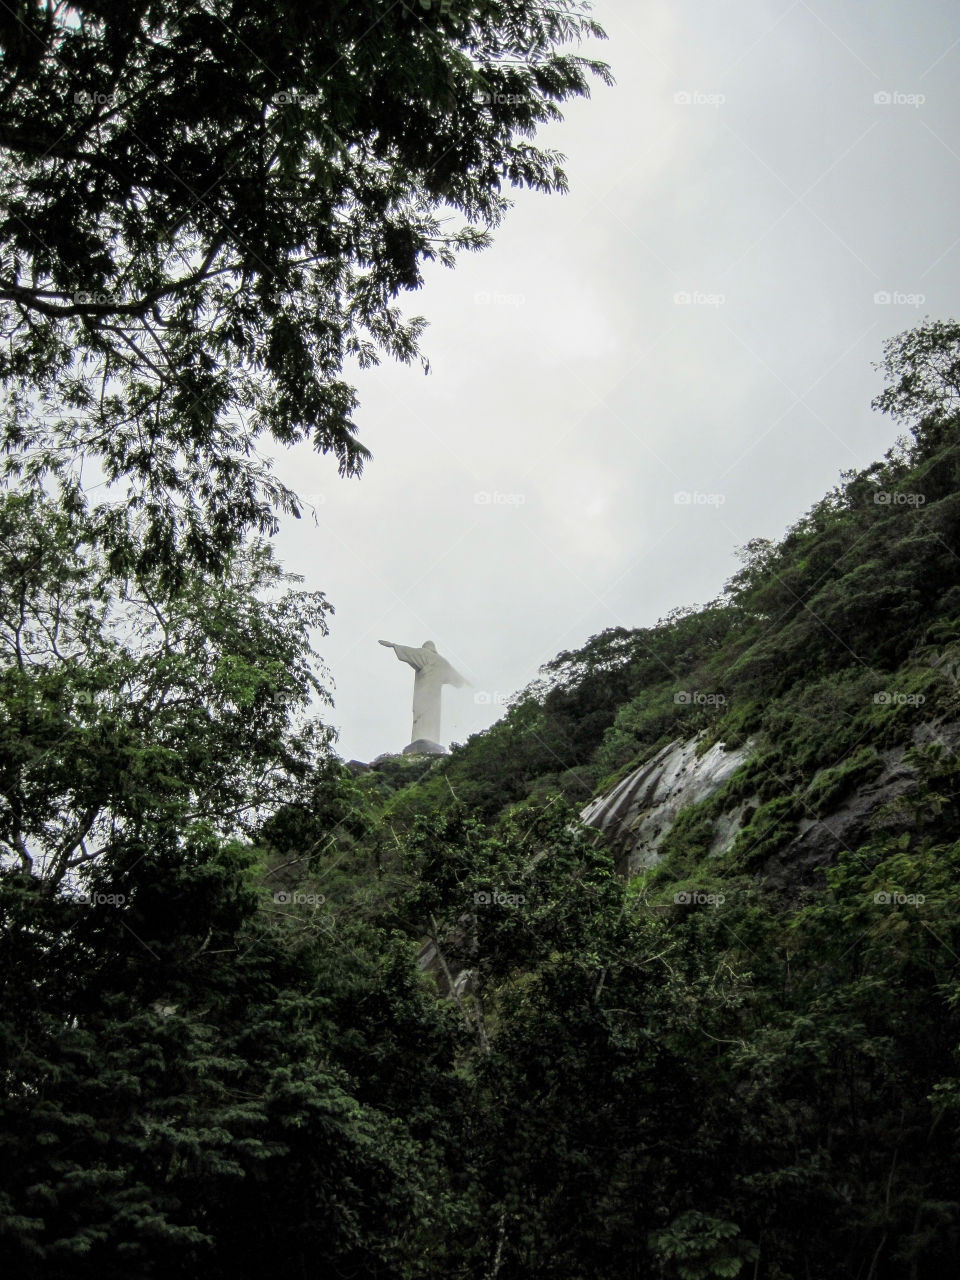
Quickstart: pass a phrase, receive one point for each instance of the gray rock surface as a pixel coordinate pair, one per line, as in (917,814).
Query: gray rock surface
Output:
(850,823)
(638,812)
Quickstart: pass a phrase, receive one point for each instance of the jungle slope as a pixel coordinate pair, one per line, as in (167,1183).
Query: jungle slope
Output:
(726,1064)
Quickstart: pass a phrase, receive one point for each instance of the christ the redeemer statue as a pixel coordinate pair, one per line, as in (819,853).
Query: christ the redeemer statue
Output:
(433,672)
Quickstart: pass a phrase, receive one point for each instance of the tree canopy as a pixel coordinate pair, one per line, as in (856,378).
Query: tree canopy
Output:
(130,714)
(208,210)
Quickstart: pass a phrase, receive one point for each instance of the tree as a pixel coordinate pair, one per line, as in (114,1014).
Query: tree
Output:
(191,1086)
(208,210)
(922,367)
(127,713)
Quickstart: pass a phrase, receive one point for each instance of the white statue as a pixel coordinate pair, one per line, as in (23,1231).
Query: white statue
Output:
(433,672)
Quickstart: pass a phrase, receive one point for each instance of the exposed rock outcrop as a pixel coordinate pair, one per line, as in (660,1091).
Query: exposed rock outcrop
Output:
(639,811)
(851,821)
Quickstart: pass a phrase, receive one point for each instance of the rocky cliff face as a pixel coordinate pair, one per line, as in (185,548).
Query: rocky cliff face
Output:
(639,811)
(636,814)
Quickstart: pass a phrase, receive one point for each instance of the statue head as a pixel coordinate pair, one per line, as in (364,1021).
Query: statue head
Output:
(428,644)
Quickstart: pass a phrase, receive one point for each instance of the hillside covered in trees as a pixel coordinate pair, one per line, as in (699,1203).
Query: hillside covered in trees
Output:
(266,1012)
(408,1019)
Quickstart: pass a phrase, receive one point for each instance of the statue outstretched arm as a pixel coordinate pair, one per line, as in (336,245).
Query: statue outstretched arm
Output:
(406,653)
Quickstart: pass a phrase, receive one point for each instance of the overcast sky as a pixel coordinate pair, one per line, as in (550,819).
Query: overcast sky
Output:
(769,191)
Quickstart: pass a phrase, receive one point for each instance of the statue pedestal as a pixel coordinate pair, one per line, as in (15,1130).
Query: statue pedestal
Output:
(424,747)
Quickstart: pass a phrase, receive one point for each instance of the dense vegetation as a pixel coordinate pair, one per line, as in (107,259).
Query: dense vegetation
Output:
(222,1057)
(767,1084)
(264,1013)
